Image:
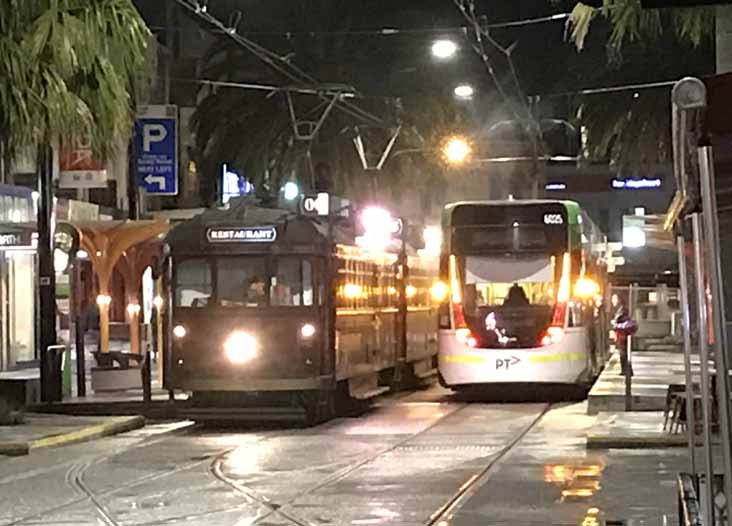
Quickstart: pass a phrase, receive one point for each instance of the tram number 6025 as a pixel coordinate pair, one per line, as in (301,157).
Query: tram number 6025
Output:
(553,219)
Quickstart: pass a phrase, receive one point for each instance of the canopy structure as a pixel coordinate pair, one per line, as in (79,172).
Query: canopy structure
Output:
(129,246)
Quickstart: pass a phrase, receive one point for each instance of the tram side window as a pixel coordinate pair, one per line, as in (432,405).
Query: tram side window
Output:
(193,286)
(242,281)
(292,283)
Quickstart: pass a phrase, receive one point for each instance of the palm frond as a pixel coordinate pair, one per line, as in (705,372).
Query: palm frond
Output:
(631,23)
(67,69)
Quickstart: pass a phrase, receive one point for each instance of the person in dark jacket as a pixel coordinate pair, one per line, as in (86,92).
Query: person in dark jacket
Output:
(516,297)
(624,326)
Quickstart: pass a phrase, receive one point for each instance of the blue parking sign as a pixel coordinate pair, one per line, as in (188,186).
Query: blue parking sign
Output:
(156,146)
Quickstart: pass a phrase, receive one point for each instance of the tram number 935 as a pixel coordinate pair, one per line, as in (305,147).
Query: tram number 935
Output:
(553,219)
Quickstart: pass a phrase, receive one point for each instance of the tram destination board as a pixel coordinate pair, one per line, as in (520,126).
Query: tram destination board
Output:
(256,234)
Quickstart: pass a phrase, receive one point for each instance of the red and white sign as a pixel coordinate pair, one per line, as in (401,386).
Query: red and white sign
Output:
(78,168)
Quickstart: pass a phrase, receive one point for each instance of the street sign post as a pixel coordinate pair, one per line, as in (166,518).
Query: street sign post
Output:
(156,149)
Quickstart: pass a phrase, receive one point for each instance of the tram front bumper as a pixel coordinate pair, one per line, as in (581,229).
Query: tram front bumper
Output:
(460,364)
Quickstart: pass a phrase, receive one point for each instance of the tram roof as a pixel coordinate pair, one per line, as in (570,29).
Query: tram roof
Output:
(515,202)
(292,229)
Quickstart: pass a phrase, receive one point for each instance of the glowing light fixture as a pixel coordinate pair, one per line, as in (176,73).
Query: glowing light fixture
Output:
(444,48)
(240,347)
(179,331)
(411,291)
(634,237)
(103,300)
(464,91)
(439,291)
(456,150)
(307,330)
(586,288)
(291,190)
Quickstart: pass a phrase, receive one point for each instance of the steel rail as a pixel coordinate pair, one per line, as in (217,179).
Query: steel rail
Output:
(445,513)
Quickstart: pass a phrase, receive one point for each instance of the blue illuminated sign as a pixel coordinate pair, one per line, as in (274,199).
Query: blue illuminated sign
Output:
(156,147)
(636,184)
(233,184)
(555,186)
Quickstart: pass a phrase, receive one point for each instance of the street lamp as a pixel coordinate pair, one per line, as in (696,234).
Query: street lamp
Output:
(456,150)
(444,49)
(464,91)
(291,190)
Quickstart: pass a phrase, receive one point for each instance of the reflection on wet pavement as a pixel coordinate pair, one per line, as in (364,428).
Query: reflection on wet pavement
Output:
(396,465)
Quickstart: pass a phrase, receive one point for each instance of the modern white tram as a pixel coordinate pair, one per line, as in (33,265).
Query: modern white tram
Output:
(525,281)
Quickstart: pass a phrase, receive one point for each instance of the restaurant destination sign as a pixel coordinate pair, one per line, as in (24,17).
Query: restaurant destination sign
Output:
(254,234)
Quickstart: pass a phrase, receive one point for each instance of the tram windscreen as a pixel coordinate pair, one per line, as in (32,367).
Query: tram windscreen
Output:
(245,281)
(194,283)
(509,300)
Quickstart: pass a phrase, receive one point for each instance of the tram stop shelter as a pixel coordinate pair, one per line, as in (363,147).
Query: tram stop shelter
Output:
(129,247)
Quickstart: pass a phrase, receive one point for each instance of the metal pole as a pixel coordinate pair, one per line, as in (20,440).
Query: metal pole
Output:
(704,367)
(49,366)
(79,330)
(711,227)
(401,325)
(686,333)
(628,354)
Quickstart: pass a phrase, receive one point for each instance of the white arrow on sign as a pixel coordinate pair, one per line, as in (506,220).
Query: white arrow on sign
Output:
(158,180)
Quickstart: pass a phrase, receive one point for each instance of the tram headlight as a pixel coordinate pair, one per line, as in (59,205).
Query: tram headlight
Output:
(240,347)
(307,331)
(439,291)
(179,331)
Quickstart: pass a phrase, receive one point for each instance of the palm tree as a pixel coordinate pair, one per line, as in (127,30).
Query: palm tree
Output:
(67,69)
(633,129)
(252,130)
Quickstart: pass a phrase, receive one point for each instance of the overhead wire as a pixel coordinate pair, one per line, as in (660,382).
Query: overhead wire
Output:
(390,31)
(276,62)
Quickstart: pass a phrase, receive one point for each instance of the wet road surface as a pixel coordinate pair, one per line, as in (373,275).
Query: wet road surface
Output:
(401,463)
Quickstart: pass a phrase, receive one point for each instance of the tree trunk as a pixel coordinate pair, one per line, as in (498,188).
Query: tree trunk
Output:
(723,34)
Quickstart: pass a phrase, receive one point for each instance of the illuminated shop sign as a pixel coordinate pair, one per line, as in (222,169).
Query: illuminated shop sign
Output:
(18,240)
(635,184)
(257,234)
(555,186)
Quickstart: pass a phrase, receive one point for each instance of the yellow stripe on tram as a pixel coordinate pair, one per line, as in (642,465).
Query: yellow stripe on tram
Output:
(463,358)
(567,356)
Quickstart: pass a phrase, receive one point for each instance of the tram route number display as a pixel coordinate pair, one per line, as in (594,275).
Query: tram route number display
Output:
(553,219)
(259,234)
(505,364)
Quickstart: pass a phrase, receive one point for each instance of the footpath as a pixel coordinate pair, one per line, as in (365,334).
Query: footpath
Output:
(643,425)
(49,430)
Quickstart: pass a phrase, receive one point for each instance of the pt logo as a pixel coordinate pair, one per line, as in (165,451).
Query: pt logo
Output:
(506,363)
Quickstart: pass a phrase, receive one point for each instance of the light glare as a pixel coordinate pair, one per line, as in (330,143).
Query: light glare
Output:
(457,150)
(464,91)
(179,331)
(240,347)
(444,49)
(291,190)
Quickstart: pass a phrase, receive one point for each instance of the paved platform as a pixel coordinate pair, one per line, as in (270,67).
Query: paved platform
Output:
(653,372)
(48,430)
(634,429)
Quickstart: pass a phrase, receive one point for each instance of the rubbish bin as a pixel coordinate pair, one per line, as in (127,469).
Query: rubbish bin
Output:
(60,356)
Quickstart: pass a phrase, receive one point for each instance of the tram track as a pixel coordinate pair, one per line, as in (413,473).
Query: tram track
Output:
(443,515)
(439,517)
(74,480)
(266,506)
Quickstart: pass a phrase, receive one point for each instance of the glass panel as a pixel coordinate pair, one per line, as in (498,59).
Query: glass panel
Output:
(292,283)
(193,283)
(242,281)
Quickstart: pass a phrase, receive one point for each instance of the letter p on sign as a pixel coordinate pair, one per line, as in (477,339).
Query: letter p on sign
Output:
(152,133)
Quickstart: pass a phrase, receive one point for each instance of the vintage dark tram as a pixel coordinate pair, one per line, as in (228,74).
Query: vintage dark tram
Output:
(276,315)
